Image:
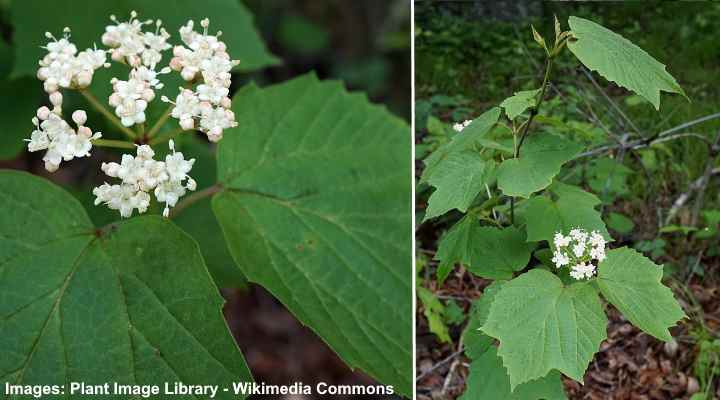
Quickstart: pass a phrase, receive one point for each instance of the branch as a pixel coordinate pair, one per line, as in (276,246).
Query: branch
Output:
(611,101)
(697,184)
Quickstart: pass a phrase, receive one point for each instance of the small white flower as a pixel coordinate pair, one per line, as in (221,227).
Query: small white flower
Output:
(62,142)
(596,239)
(585,249)
(124,198)
(129,44)
(561,241)
(63,67)
(582,271)
(578,234)
(560,259)
(597,253)
(176,165)
(462,125)
(203,56)
(142,174)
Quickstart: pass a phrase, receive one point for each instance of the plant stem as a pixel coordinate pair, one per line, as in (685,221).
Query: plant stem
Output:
(526,127)
(534,110)
(168,136)
(118,144)
(160,122)
(104,111)
(194,198)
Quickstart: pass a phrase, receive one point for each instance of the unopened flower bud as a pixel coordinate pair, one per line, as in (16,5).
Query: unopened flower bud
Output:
(79,117)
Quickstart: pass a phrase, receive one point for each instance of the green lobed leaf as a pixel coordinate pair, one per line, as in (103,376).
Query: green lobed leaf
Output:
(132,303)
(488,380)
(519,102)
(317,210)
(543,325)
(488,252)
(574,208)
(631,282)
(620,61)
(465,140)
(476,342)
(540,160)
(88,19)
(457,179)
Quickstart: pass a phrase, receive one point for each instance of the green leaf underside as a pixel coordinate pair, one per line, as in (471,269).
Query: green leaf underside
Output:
(631,282)
(540,160)
(574,208)
(476,342)
(135,305)
(317,210)
(465,140)
(519,102)
(457,179)
(620,61)
(488,252)
(488,380)
(543,326)
(88,19)
(16,113)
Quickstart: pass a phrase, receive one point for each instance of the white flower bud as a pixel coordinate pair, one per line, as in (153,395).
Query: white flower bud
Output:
(43,113)
(84,79)
(79,117)
(56,99)
(187,123)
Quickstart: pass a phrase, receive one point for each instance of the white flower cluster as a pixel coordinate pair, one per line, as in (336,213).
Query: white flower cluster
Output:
(578,250)
(130,98)
(206,58)
(54,134)
(64,67)
(459,126)
(141,174)
(142,51)
(203,60)
(129,44)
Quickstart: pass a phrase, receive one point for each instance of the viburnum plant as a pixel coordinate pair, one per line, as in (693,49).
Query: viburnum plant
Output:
(542,240)
(303,190)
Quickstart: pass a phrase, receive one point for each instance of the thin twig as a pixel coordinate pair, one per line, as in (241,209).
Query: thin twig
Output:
(95,103)
(438,365)
(713,151)
(195,197)
(611,101)
(639,144)
(684,197)
(449,376)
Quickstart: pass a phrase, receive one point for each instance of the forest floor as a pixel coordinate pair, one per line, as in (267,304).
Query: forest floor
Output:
(630,365)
